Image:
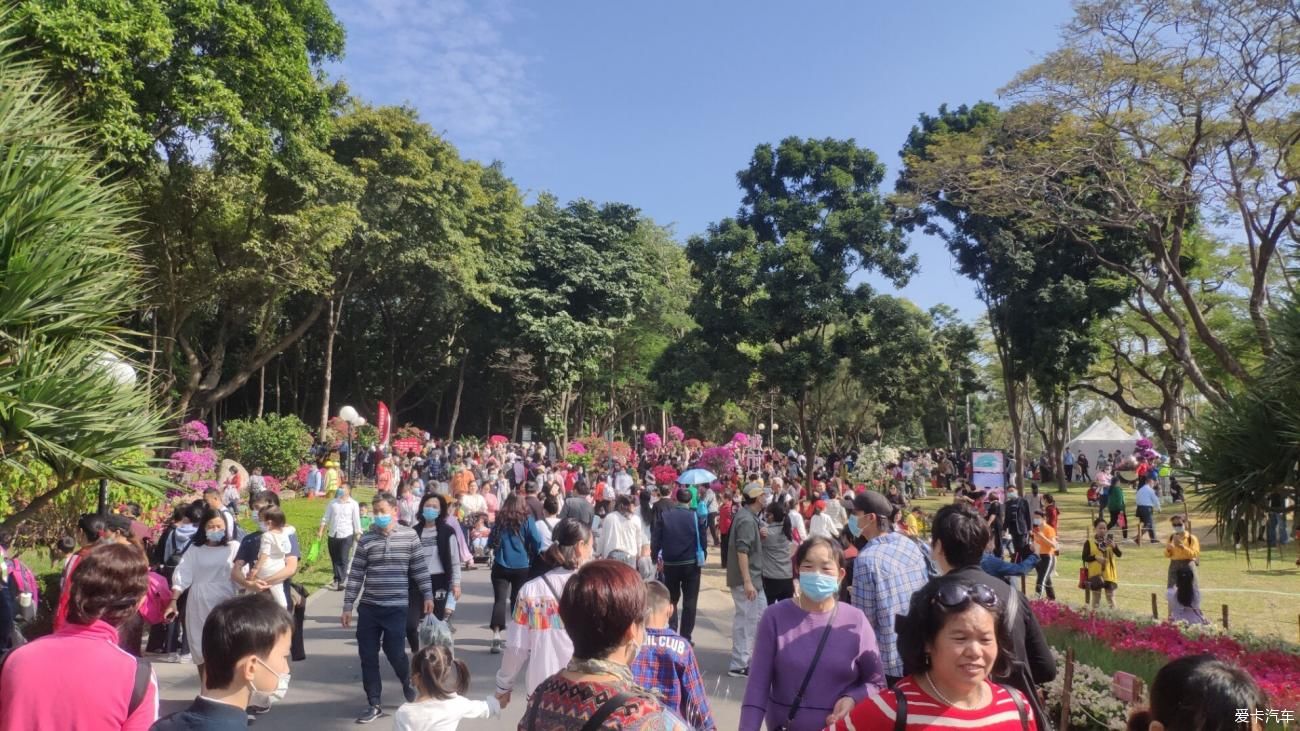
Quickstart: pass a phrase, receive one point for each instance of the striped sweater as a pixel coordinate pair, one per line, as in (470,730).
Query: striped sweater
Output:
(924,712)
(386,563)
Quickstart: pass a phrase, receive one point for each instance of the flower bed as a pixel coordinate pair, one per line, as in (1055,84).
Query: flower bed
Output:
(1092,705)
(1274,665)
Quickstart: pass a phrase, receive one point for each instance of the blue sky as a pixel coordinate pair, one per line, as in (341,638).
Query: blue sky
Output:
(658,104)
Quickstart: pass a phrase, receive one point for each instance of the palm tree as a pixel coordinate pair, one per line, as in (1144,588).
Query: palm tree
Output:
(68,279)
(1250,446)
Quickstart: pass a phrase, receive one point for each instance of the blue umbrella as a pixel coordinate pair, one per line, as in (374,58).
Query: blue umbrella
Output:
(697,476)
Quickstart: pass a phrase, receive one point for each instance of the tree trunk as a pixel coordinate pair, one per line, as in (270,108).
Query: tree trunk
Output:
(514,427)
(455,408)
(331,328)
(261,391)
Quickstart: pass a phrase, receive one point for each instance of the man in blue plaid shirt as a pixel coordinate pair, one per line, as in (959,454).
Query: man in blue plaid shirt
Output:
(666,664)
(887,571)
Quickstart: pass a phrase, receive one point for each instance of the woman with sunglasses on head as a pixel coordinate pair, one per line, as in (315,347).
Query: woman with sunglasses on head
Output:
(951,642)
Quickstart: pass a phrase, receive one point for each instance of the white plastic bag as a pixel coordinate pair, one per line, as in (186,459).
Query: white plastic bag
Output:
(434,631)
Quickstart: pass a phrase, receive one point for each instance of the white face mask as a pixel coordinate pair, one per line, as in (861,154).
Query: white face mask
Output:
(265,699)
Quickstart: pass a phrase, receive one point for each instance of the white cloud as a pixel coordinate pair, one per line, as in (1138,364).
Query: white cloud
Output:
(448,58)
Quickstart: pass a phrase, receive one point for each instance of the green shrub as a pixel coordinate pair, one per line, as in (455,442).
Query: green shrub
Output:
(275,443)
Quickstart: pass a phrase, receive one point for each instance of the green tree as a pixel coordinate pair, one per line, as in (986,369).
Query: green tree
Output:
(775,297)
(68,277)
(275,443)
(212,114)
(1043,295)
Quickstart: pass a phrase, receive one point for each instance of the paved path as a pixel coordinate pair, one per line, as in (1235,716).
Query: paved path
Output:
(325,692)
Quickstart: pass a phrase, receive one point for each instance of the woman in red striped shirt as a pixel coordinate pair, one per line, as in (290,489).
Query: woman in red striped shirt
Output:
(951,642)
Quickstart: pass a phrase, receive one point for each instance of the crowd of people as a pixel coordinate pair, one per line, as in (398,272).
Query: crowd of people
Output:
(853,608)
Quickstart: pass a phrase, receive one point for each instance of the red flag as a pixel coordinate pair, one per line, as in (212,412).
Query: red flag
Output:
(385,425)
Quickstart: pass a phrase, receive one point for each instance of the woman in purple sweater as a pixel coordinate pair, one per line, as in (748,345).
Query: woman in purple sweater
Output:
(789,633)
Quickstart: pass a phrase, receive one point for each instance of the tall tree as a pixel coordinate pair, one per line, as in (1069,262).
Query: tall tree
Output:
(1043,295)
(68,277)
(775,282)
(212,113)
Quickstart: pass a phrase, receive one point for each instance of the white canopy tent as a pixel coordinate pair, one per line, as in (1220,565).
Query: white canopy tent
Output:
(1103,436)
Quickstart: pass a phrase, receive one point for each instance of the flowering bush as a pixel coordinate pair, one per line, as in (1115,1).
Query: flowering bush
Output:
(409,431)
(194,431)
(692,444)
(718,460)
(273,484)
(1092,705)
(664,474)
(577,448)
(652,441)
(191,462)
(675,433)
(1144,444)
(740,438)
(298,480)
(1274,666)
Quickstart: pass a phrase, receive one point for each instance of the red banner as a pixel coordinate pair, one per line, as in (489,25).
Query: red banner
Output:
(385,425)
(404,446)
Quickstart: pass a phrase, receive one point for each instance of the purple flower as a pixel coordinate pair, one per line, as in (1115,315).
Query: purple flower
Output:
(652,441)
(675,433)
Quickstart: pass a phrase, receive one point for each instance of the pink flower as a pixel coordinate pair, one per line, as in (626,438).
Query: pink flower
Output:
(675,433)
(194,431)
(740,438)
(577,448)
(652,441)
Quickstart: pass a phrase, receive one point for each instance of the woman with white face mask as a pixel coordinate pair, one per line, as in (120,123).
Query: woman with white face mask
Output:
(847,666)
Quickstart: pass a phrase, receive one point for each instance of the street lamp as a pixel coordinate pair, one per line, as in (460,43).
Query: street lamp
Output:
(122,374)
(350,416)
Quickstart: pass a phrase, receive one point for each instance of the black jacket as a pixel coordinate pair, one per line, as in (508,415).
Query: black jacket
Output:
(204,715)
(1027,638)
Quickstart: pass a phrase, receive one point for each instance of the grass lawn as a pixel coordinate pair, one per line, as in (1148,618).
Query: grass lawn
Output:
(1262,598)
(304,515)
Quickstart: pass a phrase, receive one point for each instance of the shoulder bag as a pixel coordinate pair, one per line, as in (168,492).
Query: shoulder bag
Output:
(803,687)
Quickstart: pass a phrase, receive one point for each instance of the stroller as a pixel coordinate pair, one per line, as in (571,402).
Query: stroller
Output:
(477,545)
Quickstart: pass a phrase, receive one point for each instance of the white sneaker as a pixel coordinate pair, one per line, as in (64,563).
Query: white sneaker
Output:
(187,659)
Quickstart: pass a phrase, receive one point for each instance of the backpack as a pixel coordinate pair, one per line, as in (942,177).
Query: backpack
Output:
(139,687)
(24,582)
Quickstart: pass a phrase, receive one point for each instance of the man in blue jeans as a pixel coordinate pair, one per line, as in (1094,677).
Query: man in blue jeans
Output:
(388,560)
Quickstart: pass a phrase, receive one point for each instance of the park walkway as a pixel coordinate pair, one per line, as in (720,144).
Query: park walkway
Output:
(325,693)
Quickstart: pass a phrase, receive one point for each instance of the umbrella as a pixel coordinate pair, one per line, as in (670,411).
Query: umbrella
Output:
(696,476)
(498,439)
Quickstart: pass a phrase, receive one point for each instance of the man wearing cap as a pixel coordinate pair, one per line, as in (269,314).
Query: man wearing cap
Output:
(745,578)
(887,571)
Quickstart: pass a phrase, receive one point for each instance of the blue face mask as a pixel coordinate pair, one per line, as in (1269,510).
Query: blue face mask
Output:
(187,529)
(383,521)
(338,492)
(854,530)
(216,536)
(432,513)
(818,587)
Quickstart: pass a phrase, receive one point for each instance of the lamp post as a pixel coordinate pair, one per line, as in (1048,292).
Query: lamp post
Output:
(124,376)
(350,416)
(771,432)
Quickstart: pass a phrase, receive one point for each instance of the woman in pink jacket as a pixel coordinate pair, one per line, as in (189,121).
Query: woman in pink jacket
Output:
(37,691)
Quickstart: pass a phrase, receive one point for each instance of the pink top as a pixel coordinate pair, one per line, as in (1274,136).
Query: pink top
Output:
(76,679)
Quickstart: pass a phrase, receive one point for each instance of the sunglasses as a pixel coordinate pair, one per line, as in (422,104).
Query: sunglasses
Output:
(955,596)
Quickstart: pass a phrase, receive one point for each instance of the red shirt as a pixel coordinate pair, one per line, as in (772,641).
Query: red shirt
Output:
(879,711)
(726,512)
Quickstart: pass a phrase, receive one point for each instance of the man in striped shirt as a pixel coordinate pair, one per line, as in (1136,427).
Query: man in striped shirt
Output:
(388,560)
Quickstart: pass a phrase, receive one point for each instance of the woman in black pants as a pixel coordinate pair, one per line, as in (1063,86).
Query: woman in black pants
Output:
(514,542)
(442,556)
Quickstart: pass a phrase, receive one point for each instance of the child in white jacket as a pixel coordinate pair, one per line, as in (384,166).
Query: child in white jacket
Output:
(440,680)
